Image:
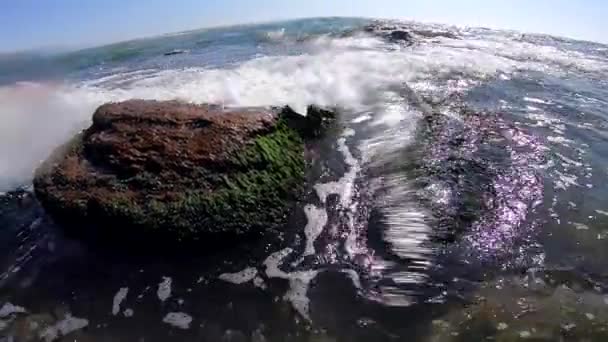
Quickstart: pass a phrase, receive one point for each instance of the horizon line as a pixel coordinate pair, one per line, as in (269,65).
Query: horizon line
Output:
(74,49)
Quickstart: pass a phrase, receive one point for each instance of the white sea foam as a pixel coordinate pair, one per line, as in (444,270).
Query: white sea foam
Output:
(241,277)
(344,187)
(535,100)
(276,35)
(317,219)
(362,118)
(299,281)
(35,119)
(118,298)
(164,289)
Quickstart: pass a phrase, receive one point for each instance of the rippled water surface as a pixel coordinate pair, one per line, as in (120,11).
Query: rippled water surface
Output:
(462,198)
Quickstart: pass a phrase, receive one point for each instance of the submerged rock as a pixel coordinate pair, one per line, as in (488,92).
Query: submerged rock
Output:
(506,309)
(179,171)
(175,52)
(408,33)
(391,33)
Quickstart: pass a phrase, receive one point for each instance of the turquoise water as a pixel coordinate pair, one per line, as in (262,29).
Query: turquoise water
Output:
(463,199)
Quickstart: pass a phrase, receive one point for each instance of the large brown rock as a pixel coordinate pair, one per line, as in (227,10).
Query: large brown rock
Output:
(178,171)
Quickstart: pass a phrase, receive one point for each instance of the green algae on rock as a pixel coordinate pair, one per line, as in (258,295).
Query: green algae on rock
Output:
(179,171)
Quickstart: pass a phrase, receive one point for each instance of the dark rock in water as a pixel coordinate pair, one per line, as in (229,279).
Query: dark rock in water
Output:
(175,52)
(390,32)
(379,27)
(316,122)
(407,33)
(400,36)
(179,172)
(370,28)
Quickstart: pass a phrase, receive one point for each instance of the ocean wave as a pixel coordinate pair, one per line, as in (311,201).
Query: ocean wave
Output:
(358,73)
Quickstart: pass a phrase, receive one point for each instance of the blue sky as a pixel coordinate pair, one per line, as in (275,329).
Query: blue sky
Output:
(28,24)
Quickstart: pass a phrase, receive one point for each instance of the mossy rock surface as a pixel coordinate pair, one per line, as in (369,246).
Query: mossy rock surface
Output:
(179,171)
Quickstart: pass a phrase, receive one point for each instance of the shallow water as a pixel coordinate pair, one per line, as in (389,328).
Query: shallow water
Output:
(461,199)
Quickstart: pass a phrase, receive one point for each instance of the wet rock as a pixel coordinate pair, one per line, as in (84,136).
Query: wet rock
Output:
(175,52)
(370,28)
(379,27)
(400,36)
(316,122)
(179,172)
(391,33)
